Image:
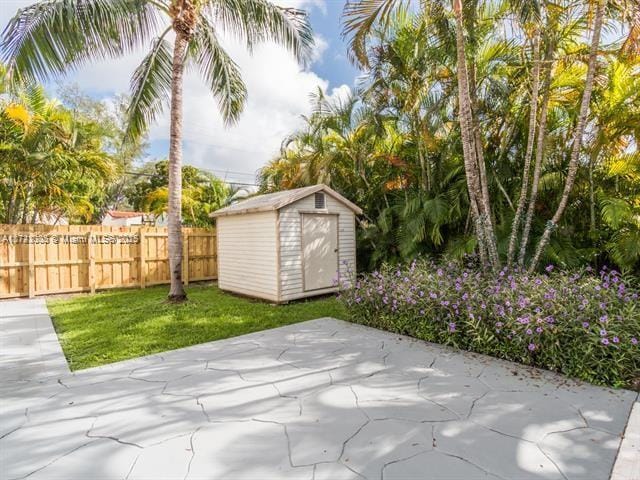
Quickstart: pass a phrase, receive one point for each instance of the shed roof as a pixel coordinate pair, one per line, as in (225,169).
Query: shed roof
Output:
(275,201)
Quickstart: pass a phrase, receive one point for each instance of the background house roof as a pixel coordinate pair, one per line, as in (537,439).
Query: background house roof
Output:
(123,214)
(275,201)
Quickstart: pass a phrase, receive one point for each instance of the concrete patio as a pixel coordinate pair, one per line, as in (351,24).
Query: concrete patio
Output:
(318,400)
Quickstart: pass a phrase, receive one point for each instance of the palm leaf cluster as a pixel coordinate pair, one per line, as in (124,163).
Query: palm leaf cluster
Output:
(395,145)
(52,164)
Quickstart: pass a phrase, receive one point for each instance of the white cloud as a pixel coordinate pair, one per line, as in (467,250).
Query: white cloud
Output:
(278,94)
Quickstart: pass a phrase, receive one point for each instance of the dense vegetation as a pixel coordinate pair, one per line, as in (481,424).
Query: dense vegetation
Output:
(581,324)
(53,162)
(395,146)
(65,158)
(202,192)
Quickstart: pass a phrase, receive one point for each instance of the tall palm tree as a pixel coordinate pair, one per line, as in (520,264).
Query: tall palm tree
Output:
(577,142)
(360,18)
(52,37)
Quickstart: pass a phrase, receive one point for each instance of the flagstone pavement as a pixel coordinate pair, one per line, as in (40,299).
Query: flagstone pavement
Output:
(318,400)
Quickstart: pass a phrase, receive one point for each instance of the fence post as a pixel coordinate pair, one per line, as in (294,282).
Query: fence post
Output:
(185,258)
(31,263)
(143,258)
(92,262)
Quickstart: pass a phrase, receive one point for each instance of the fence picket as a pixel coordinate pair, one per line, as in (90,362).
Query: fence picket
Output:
(82,259)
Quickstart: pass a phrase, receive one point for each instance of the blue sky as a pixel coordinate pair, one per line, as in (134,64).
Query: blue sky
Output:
(278,95)
(335,67)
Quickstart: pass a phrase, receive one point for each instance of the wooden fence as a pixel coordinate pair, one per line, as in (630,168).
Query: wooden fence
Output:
(42,259)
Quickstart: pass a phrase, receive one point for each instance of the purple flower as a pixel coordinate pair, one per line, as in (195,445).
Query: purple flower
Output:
(537,281)
(452,327)
(529,331)
(549,268)
(531,347)
(539,330)
(604,318)
(603,333)
(585,324)
(634,341)
(605,341)
(616,340)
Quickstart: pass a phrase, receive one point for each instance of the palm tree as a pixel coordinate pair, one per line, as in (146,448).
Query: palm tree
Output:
(51,163)
(360,18)
(576,147)
(50,38)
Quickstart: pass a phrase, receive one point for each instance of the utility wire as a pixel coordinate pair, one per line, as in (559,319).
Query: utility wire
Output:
(142,174)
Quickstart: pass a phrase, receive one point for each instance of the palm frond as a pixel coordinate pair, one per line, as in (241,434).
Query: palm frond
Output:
(360,18)
(624,247)
(258,21)
(219,71)
(150,88)
(52,37)
(615,212)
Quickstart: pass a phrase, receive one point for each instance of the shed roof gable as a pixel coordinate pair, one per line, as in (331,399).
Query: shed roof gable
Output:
(275,201)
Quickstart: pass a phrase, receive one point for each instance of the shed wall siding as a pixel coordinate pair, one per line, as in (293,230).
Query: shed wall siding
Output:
(247,254)
(291,249)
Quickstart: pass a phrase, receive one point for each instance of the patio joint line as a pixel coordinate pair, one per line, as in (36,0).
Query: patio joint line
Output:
(466,460)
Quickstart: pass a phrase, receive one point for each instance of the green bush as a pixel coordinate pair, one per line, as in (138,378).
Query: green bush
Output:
(579,323)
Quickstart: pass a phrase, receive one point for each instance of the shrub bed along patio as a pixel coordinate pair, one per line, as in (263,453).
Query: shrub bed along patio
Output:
(582,324)
(121,324)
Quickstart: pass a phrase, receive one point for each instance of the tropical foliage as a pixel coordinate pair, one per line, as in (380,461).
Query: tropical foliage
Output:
(53,164)
(581,324)
(202,193)
(551,138)
(64,159)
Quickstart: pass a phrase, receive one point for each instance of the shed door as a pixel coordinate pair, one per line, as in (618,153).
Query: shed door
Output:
(319,250)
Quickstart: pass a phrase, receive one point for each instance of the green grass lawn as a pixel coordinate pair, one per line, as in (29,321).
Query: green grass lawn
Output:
(120,324)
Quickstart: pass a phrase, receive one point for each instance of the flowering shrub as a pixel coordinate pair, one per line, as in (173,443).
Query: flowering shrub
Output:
(579,323)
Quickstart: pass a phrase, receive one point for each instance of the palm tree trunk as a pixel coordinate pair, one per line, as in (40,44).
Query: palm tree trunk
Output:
(174,214)
(424,178)
(10,208)
(540,148)
(472,171)
(489,234)
(592,193)
(533,115)
(577,138)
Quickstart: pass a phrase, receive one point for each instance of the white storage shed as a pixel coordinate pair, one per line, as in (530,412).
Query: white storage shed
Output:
(286,245)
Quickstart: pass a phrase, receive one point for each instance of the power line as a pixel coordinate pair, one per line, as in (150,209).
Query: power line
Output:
(245,184)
